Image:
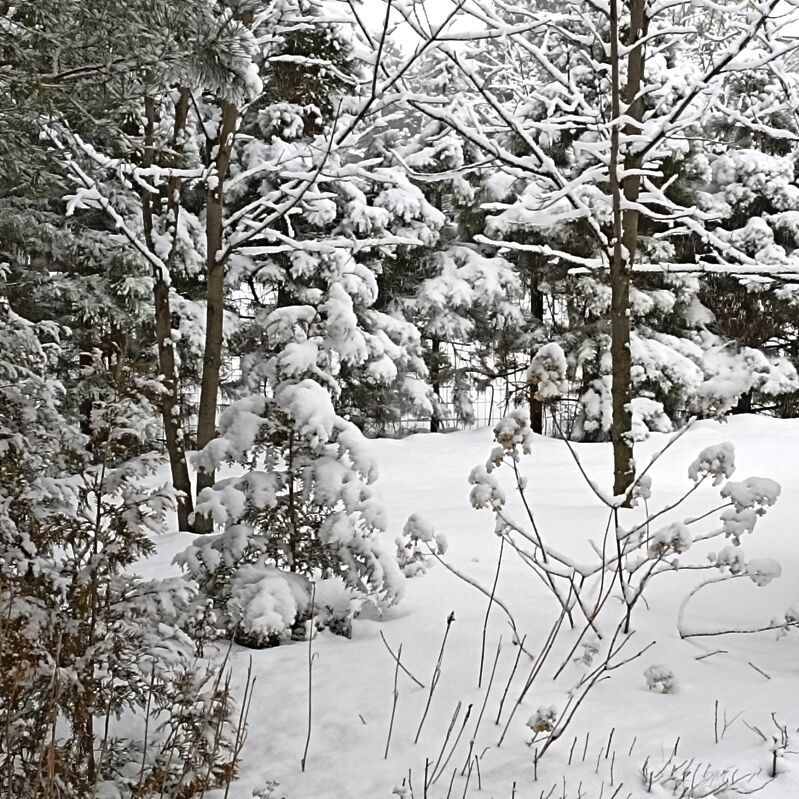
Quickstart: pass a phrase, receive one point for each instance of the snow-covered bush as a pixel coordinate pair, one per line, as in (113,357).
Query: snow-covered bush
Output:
(270,790)
(621,569)
(84,641)
(547,372)
(660,679)
(303,511)
(590,649)
(418,541)
(675,537)
(694,779)
(543,720)
(716,461)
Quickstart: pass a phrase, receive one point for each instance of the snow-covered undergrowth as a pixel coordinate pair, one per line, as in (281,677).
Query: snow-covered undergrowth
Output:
(685,717)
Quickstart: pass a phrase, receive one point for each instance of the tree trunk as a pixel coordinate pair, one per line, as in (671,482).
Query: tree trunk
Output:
(435,380)
(537,313)
(170,397)
(170,406)
(215,295)
(625,190)
(435,343)
(744,404)
(85,361)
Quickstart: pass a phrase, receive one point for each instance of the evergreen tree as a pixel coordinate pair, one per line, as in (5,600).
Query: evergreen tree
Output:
(592,194)
(463,300)
(84,641)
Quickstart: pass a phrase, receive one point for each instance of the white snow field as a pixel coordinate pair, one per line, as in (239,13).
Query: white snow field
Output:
(741,689)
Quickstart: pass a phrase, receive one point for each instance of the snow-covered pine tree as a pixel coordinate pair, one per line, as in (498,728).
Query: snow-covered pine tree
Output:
(311,339)
(111,122)
(301,527)
(570,74)
(463,300)
(310,280)
(750,185)
(84,641)
(70,272)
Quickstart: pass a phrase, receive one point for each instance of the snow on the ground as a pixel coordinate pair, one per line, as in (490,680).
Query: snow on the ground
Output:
(621,726)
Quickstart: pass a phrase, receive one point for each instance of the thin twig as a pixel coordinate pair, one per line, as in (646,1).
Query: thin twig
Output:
(759,670)
(488,612)
(394,702)
(510,679)
(310,680)
(710,654)
(383,638)
(434,776)
(482,709)
(436,676)
(457,741)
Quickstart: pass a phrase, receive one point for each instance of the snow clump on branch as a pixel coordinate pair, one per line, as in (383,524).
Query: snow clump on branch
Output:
(418,539)
(717,461)
(547,372)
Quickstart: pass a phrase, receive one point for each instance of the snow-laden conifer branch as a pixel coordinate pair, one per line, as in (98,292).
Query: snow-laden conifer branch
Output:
(666,127)
(90,194)
(543,162)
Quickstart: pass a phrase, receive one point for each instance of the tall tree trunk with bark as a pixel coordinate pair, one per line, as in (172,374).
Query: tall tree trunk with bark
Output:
(170,397)
(625,186)
(435,380)
(533,263)
(222,148)
(220,151)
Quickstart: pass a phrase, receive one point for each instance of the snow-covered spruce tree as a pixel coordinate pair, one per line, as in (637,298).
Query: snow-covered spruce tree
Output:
(171,71)
(70,275)
(750,185)
(103,81)
(87,647)
(508,331)
(311,280)
(668,324)
(463,301)
(623,94)
(70,270)
(553,306)
(301,526)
